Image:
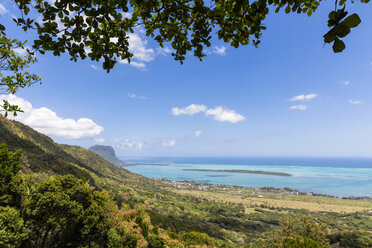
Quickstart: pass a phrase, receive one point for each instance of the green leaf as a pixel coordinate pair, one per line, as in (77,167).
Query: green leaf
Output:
(338,45)
(332,15)
(342,2)
(330,36)
(342,30)
(287,9)
(351,21)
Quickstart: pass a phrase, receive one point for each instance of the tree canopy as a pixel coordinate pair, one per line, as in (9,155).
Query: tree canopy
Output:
(99,29)
(11,186)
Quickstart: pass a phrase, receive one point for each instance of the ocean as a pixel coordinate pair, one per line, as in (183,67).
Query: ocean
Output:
(342,177)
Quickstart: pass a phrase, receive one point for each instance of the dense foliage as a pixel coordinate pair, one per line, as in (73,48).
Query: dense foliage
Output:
(62,211)
(10,181)
(302,232)
(65,212)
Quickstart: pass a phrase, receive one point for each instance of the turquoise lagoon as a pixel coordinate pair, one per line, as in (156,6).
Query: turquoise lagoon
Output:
(338,177)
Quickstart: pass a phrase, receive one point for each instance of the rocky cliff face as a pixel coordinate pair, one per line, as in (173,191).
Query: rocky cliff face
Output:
(108,153)
(108,150)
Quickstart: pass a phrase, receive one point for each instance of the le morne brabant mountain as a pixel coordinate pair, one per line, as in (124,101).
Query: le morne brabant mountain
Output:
(108,153)
(69,196)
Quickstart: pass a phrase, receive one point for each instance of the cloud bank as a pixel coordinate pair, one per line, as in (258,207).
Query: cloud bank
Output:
(48,122)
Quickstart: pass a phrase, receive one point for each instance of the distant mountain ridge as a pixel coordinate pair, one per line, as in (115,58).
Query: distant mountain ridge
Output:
(108,153)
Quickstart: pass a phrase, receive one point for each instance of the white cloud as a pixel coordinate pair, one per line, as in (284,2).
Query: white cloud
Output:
(303,97)
(223,114)
(99,140)
(22,51)
(219,50)
(355,102)
(138,65)
(94,67)
(137,46)
(163,51)
(47,122)
(130,145)
(347,82)
(197,133)
(3,10)
(189,110)
(219,113)
(298,107)
(141,53)
(168,142)
(133,96)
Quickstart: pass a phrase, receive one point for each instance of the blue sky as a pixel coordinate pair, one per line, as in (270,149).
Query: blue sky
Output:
(243,95)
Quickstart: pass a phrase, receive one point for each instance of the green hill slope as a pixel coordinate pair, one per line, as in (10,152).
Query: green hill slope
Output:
(41,154)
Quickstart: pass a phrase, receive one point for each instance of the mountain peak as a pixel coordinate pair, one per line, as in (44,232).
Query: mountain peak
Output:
(101,148)
(108,153)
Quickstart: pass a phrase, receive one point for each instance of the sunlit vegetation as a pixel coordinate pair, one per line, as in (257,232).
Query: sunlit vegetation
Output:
(75,198)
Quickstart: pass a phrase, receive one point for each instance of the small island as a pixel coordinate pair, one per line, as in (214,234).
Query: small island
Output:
(272,173)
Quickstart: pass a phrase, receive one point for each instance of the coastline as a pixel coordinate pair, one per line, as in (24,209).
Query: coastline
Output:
(235,189)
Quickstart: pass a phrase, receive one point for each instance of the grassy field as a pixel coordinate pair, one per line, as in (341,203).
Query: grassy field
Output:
(311,203)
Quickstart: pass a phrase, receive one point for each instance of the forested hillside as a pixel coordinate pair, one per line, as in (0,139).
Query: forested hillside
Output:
(40,153)
(67,196)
